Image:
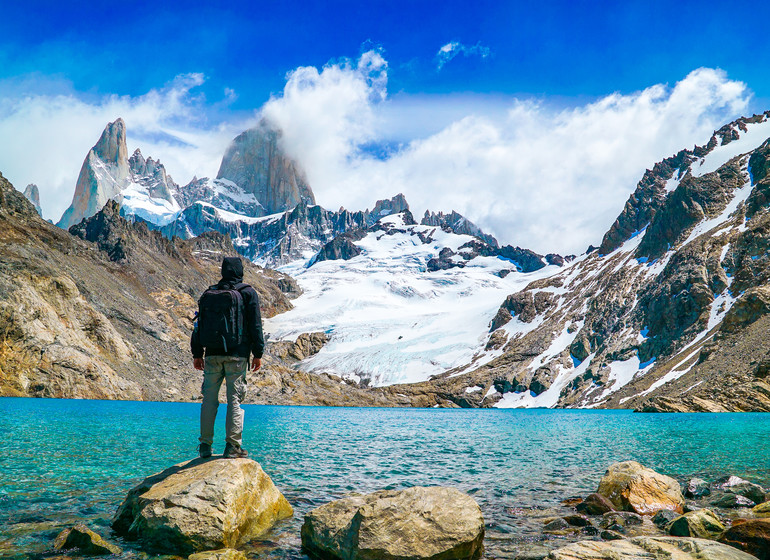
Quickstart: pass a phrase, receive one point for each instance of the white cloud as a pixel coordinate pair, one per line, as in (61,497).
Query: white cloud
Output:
(550,179)
(546,179)
(447,52)
(46,137)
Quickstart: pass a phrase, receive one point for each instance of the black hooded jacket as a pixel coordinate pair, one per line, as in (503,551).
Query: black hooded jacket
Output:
(253,342)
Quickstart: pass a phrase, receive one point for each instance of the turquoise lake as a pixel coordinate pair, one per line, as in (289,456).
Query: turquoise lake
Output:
(66,461)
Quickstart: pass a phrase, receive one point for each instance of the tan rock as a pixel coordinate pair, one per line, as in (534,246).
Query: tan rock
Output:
(84,541)
(417,523)
(702,524)
(762,510)
(201,505)
(649,548)
(633,487)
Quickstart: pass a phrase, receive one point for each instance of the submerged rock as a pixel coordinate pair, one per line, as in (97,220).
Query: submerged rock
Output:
(221,554)
(752,536)
(732,501)
(697,488)
(201,505)
(85,541)
(649,548)
(737,485)
(633,487)
(425,523)
(702,524)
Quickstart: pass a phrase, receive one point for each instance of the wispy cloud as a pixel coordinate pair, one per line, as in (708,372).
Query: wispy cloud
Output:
(449,51)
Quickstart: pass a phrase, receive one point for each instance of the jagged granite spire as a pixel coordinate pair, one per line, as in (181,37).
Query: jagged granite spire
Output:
(105,172)
(32,193)
(256,162)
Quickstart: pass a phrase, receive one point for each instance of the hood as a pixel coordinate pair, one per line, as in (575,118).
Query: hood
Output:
(232,269)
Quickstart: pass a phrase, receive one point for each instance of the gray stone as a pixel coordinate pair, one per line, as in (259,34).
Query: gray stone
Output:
(649,548)
(729,500)
(420,522)
(697,488)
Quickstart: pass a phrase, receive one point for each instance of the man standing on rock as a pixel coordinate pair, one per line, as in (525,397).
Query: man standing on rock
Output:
(228,330)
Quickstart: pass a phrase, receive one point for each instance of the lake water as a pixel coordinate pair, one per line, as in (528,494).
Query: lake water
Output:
(66,461)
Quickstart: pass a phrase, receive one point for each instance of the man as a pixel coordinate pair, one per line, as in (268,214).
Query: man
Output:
(223,363)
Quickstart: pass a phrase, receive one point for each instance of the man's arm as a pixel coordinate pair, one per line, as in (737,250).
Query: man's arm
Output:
(254,326)
(196,348)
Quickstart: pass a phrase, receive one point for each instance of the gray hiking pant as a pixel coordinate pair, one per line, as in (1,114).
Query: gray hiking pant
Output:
(231,370)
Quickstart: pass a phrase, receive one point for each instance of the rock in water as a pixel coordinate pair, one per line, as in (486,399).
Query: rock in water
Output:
(753,537)
(697,488)
(633,487)
(201,505)
(221,554)
(85,541)
(702,524)
(595,504)
(649,548)
(425,523)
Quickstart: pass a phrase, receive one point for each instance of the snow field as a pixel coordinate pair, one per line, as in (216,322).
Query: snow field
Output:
(390,320)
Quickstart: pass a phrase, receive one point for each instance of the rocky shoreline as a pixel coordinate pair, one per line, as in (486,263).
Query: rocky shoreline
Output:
(208,509)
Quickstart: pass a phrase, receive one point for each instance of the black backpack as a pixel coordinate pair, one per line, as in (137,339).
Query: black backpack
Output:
(220,317)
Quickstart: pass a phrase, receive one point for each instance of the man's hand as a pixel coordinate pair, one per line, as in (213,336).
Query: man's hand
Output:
(256,363)
(198,363)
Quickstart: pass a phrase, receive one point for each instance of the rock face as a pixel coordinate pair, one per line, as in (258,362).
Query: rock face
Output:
(649,548)
(456,223)
(417,523)
(256,162)
(105,313)
(201,505)
(632,487)
(752,536)
(84,541)
(32,193)
(104,174)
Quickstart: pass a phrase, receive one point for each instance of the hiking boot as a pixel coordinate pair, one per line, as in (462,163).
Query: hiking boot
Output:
(204,450)
(234,452)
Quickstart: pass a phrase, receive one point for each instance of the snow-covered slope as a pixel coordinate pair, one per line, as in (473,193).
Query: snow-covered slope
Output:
(651,316)
(389,319)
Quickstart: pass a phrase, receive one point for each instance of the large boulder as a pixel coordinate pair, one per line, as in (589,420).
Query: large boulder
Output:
(633,487)
(201,505)
(418,523)
(752,536)
(702,524)
(649,548)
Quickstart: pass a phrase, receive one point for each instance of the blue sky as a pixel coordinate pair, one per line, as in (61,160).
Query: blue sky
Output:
(535,119)
(569,49)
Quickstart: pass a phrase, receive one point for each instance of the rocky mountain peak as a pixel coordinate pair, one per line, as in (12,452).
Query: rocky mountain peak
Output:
(387,207)
(32,193)
(103,175)
(258,164)
(111,147)
(456,223)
